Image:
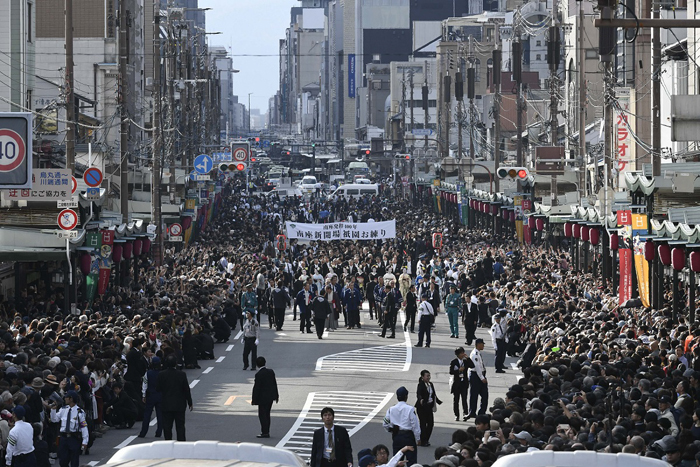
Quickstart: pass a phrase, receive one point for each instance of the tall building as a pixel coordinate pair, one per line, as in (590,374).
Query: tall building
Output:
(17,46)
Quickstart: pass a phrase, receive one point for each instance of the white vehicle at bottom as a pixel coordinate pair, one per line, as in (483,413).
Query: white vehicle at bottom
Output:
(576,459)
(203,453)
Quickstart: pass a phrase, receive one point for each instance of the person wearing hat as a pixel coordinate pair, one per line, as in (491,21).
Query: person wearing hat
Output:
(249,300)
(251,338)
(20,442)
(152,398)
(403,424)
(331,443)
(477,381)
(73,430)
(665,404)
(425,320)
(498,336)
(453,302)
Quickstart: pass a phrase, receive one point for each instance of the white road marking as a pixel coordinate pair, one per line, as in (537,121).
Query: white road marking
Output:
(154,422)
(238,336)
(220,359)
(229,348)
(126,442)
(93,463)
(208,370)
(194,383)
(385,358)
(281,334)
(353,410)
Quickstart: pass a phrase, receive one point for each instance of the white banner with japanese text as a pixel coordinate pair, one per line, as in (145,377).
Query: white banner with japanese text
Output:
(47,185)
(625,144)
(342,231)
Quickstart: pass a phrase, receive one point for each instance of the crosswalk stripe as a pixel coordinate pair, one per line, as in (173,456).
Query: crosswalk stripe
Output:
(352,416)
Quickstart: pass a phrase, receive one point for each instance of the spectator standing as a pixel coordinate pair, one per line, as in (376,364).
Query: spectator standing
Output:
(152,399)
(453,302)
(251,339)
(176,397)
(425,320)
(498,336)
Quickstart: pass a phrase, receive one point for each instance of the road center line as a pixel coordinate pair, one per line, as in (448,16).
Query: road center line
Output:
(126,442)
(238,336)
(229,348)
(194,383)
(208,370)
(220,359)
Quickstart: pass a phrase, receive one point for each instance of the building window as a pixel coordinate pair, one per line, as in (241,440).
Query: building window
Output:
(29,22)
(538,57)
(477,70)
(538,44)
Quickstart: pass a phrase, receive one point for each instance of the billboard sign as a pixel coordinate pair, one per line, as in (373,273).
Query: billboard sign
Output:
(15,150)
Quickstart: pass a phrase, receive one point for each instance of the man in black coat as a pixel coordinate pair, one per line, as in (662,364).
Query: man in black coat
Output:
(172,384)
(331,444)
(264,393)
(426,398)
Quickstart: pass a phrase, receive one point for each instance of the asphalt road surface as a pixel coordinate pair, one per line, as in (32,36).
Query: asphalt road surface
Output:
(354,371)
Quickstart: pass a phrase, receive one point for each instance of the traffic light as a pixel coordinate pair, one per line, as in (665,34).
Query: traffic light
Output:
(253,159)
(223,167)
(408,157)
(257,141)
(241,166)
(365,152)
(514,173)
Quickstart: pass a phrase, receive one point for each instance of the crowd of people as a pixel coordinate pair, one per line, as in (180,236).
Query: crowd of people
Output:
(594,376)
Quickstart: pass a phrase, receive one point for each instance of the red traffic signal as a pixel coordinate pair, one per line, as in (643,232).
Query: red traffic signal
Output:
(257,139)
(408,157)
(240,167)
(253,159)
(367,152)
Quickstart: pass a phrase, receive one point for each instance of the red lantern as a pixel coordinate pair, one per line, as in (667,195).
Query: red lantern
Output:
(585,233)
(437,241)
(665,254)
(512,216)
(128,250)
(568,229)
(471,204)
(146,248)
(694,260)
(85,262)
(504,214)
(138,246)
(117,253)
(649,251)
(539,224)
(595,236)
(577,231)
(678,258)
(614,241)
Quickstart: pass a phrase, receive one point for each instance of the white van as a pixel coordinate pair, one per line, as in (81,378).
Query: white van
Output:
(355,190)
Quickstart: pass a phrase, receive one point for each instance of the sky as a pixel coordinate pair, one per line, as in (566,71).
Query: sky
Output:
(249,28)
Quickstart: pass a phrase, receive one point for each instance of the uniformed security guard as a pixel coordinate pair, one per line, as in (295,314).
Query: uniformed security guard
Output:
(401,420)
(73,431)
(249,300)
(20,442)
(453,302)
(477,381)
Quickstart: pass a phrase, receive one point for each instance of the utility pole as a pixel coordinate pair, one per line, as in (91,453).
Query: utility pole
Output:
(124,114)
(426,102)
(497,53)
(411,71)
(607,43)
(447,101)
(656,93)
(459,96)
(471,77)
(156,172)
(516,68)
(403,111)
(170,82)
(582,101)
(70,96)
(553,57)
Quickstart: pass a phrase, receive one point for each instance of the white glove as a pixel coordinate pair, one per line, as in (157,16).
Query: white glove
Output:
(257,341)
(242,340)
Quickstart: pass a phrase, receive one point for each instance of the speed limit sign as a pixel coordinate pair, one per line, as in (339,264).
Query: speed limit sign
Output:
(240,155)
(15,150)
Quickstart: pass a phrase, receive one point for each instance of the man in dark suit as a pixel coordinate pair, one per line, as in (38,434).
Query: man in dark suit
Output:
(176,397)
(331,445)
(264,393)
(460,382)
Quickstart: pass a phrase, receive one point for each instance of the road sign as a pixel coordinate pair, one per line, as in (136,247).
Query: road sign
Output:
(67,203)
(73,184)
(67,219)
(67,233)
(175,230)
(175,238)
(193,176)
(240,155)
(266,143)
(92,194)
(203,164)
(92,177)
(422,132)
(15,150)
(549,160)
(202,178)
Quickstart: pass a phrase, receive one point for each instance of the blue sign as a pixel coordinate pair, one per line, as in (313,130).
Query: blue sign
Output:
(203,164)
(351,75)
(266,144)
(193,176)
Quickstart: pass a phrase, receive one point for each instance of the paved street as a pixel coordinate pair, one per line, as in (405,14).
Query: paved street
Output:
(355,371)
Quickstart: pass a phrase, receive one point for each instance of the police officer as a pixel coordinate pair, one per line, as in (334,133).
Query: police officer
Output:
(453,303)
(249,300)
(20,442)
(73,431)
(402,422)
